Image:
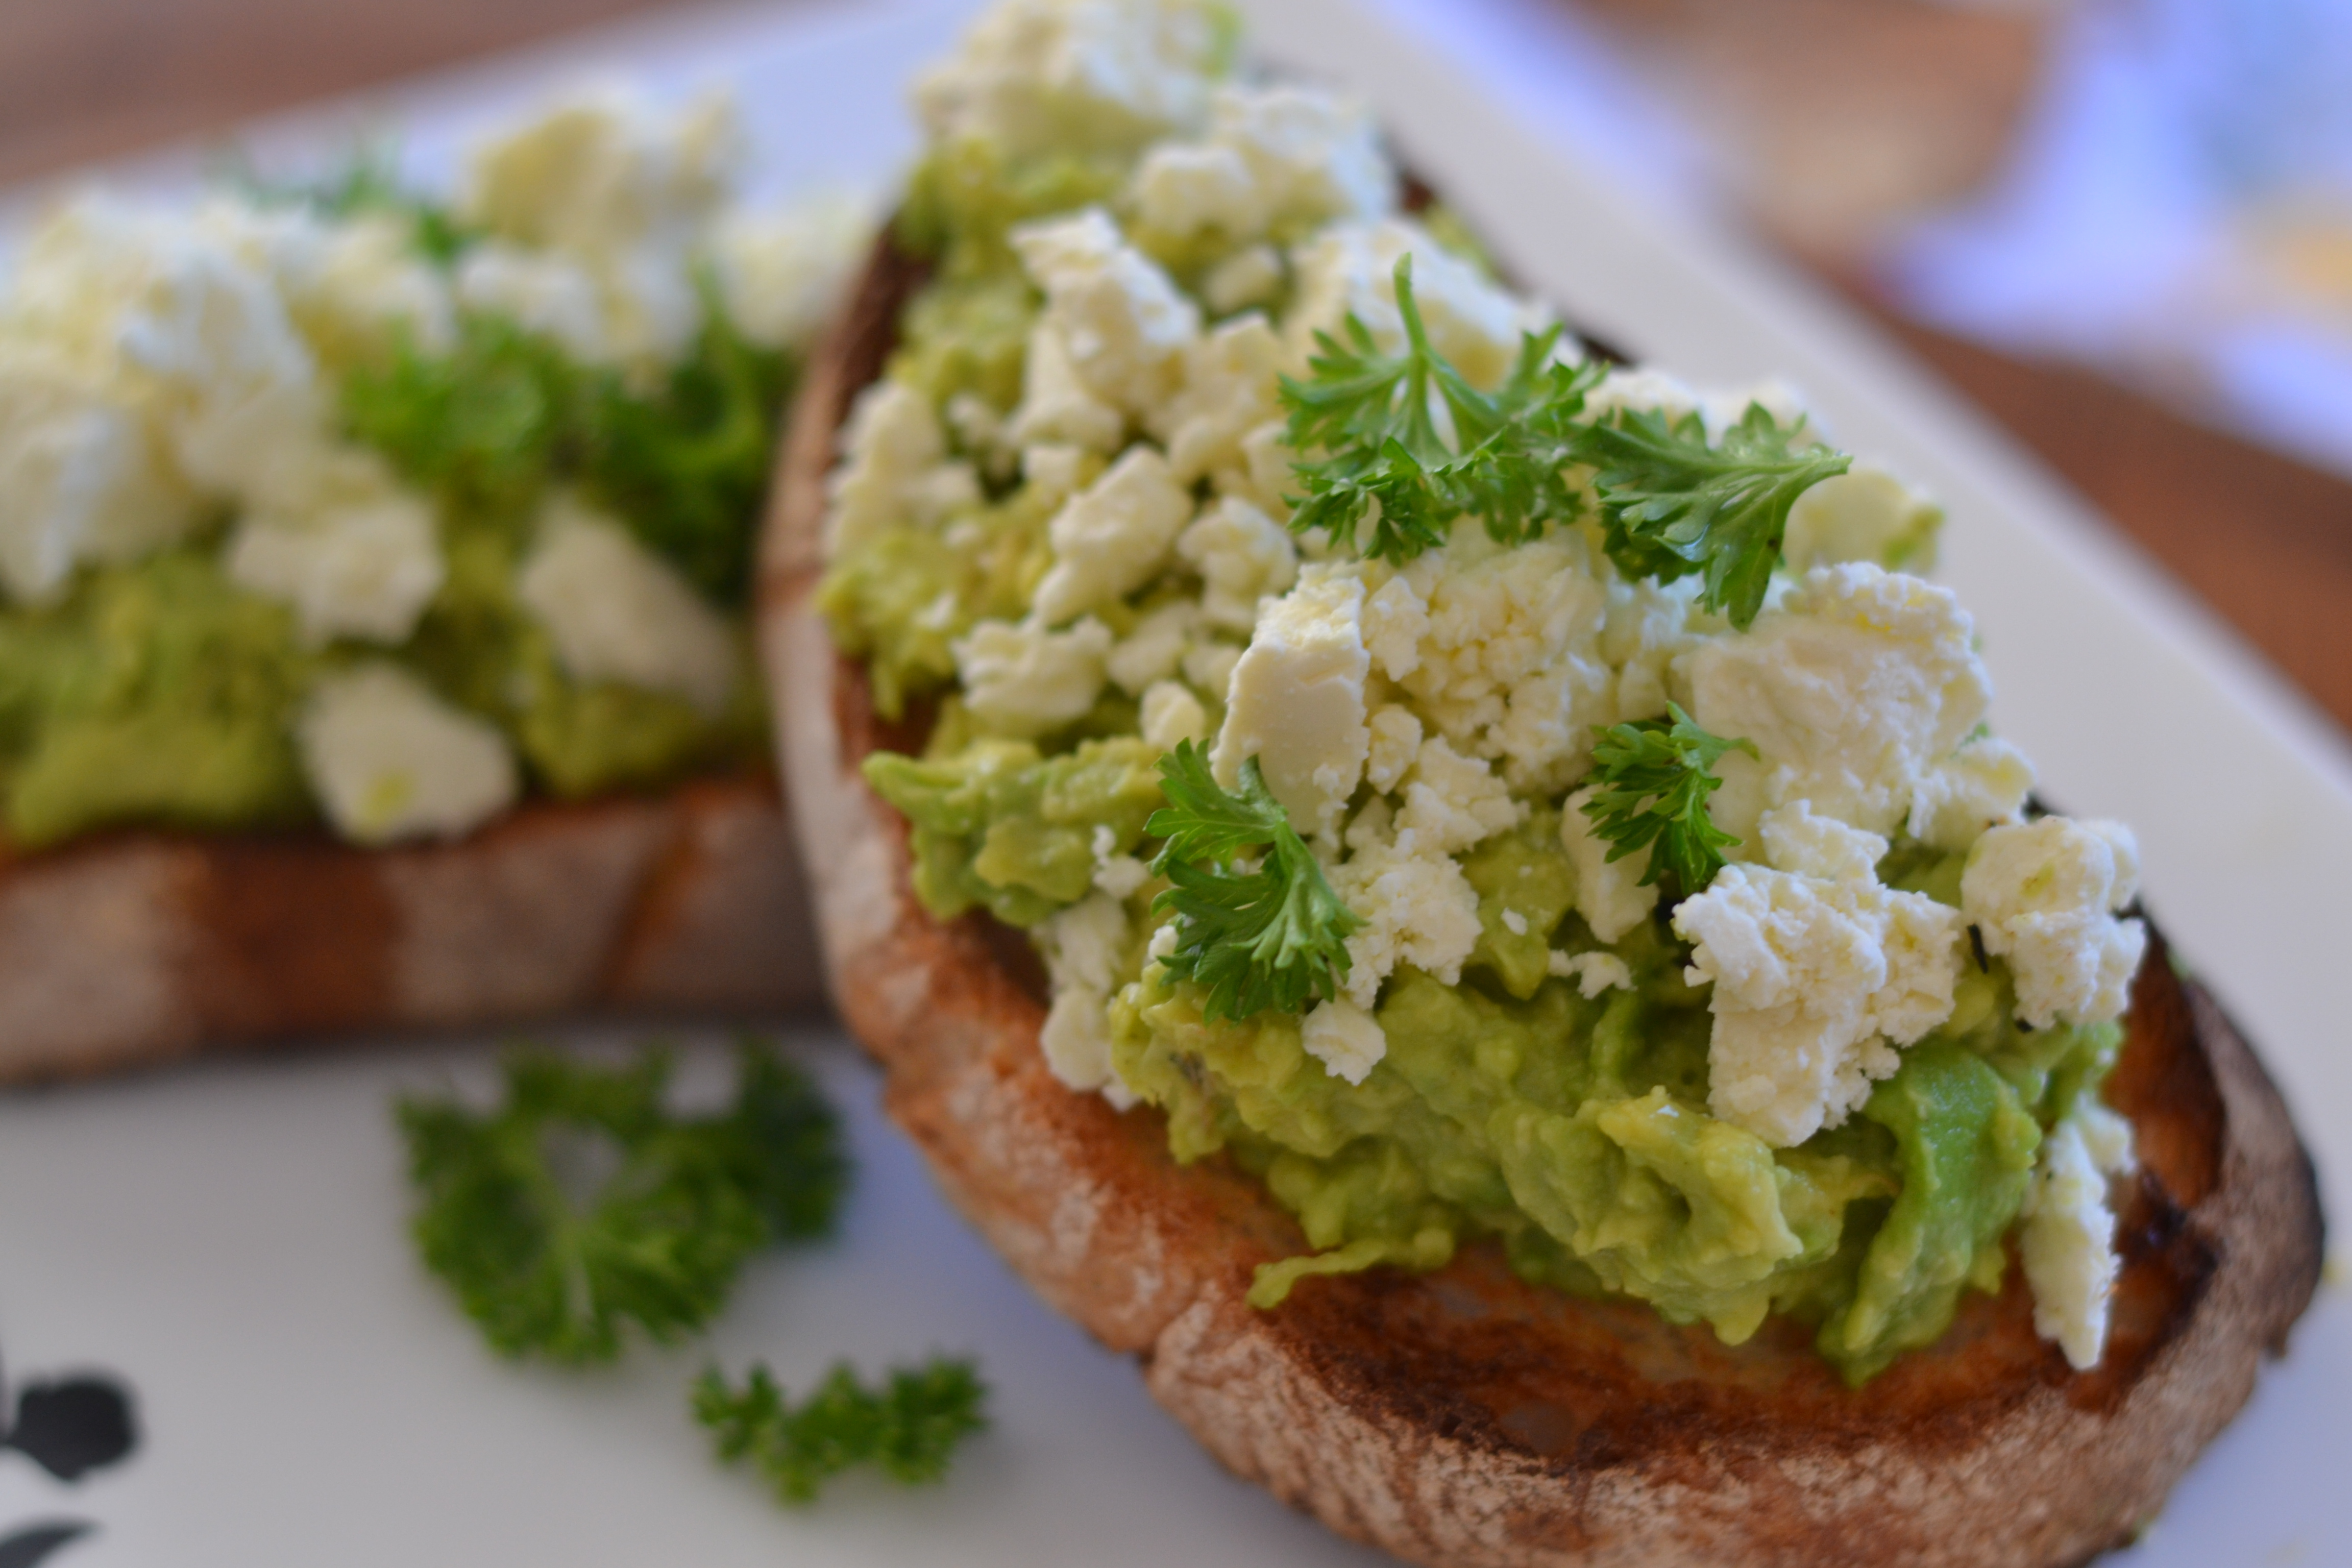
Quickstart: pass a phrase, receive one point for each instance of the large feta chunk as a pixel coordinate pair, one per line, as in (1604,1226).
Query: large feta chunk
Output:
(1817,979)
(1123,325)
(1296,701)
(1856,691)
(1034,76)
(2042,896)
(80,478)
(1863,514)
(2067,1239)
(390,761)
(616,611)
(1084,947)
(1344,1037)
(354,553)
(1112,536)
(1610,894)
(1026,680)
(1349,269)
(1057,407)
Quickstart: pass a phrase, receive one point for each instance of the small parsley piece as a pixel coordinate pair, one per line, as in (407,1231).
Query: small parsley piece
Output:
(1375,419)
(1671,504)
(1652,778)
(583,1203)
(908,1428)
(367,182)
(1271,937)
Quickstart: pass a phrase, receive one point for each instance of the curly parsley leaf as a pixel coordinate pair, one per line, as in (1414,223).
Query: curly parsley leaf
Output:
(909,1428)
(1672,504)
(581,1204)
(1406,441)
(1651,780)
(1274,936)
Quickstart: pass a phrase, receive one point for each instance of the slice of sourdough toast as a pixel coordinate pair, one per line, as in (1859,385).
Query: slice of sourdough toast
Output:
(1465,1417)
(138,947)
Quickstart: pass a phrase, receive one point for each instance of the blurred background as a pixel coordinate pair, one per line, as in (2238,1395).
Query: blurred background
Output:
(2122,227)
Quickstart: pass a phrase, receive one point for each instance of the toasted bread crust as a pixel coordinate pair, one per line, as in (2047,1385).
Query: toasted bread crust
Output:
(138,948)
(1465,1417)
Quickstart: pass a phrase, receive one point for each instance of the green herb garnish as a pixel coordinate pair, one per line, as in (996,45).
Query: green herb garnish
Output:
(583,1204)
(908,1428)
(1271,936)
(1375,417)
(1651,780)
(367,182)
(1671,504)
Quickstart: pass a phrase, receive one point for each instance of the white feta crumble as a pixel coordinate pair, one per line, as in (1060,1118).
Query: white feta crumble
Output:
(2042,896)
(1083,946)
(1116,874)
(1113,536)
(1034,75)
(390,761)
(80,477)
(1296,701)
(1231,386)
(1250,275)
(1344,1037)
(781,273)
(895,469)
(1274,157)
(1154,646)
(1863,514)
(540,291)
(1056,406)
(1817,977)
(1120,320)
(1396,741)
(1242,556)
(1349,269)
(1610,894)
(616,611)
(1417,908)
(365,567)
(604,173)
(1452,802)
(2067,1240)
(1172,715)
(1025,680)
(1592,972)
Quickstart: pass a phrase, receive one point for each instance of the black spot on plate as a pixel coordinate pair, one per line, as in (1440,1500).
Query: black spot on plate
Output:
(30,1547)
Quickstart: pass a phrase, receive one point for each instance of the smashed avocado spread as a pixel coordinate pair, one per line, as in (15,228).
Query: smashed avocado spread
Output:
(1486,794)
(335,502)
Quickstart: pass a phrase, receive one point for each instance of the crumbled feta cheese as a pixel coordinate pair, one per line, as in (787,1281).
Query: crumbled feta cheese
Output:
(2067,1240)
(1116,874)
(1816,981)
(1417,908)
(1151,652)
(355,286)
(1242,556)
(895,470)
(1035,75)
(364,568)
(1209,666)
(1122,323)
(80,478)
(540,291)
(1182,188)
(604,174)
(1023,679)
(1349,269)
(1592,972)
(1396,741)
(619,612)
(1172,715)
(1231,387)
(781,273)
(1296,701)
(1057,406)
(1250,275)
(1854,691)
(1344,1037)
(1056,471)
(1452,801)
(1797,839)
(1083,946)
(1276,157)
(390,761)
(2040,896)
(1983,784)
(1112,536)
(1863,514)
(1610,894)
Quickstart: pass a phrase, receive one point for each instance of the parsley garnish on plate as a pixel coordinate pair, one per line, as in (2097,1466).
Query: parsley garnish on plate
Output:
(1388,450)
(1252,936)
(583,1203)
(1672,504)
(908,1428)
(1651,783)
(1404,440)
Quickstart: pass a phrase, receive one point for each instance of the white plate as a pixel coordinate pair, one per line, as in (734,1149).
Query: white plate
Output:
(228,1239)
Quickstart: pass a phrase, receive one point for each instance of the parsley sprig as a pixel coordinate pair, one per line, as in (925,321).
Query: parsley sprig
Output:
(1376,418)
(583,1203)
(1651,780)
(1402,438)
(1671,504)
(1252,937)
(909,1428)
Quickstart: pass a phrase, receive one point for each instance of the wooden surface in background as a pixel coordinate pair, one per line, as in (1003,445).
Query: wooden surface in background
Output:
(2264,540)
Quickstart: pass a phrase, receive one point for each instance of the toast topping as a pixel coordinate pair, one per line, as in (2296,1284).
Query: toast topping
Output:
(1594,814)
